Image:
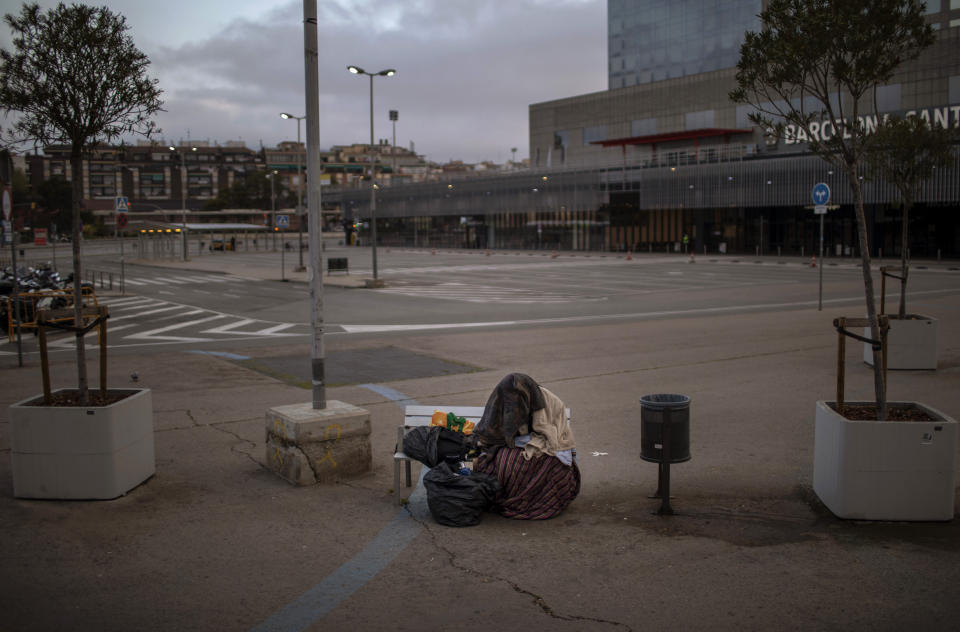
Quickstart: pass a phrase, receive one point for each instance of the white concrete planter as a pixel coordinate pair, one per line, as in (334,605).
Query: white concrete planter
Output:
(889,470)
(911,343)
(82,452)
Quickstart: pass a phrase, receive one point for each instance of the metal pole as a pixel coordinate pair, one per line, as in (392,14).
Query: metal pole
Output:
(373,191)
(820,301)
(300,267)
(311,73)
(393,148)
(183,207)
(16,311)
(273,210)
(760,251)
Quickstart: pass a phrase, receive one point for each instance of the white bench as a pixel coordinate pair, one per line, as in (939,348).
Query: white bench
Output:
(414,416)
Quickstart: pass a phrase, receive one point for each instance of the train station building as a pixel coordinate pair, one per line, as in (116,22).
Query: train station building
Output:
(664,153)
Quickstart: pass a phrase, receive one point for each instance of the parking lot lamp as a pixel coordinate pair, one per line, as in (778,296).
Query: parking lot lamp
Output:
(273,208)
(183,202)
(389,72)
(284,115)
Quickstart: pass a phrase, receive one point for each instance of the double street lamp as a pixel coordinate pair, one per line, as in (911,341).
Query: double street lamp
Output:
(284,115)
(184,181)
(389,72)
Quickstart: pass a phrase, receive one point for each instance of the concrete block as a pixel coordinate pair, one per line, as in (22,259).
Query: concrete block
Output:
(307,446)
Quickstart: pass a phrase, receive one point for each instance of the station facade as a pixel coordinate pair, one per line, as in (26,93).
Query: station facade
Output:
(663,154)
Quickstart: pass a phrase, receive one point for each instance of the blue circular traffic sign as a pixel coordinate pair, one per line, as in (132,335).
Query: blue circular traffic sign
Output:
(821,193)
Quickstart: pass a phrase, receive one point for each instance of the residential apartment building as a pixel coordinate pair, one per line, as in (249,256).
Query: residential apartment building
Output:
(150,174)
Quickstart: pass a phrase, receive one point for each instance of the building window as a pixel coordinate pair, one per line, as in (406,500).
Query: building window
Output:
(594,133)
(699,120)
(643,127)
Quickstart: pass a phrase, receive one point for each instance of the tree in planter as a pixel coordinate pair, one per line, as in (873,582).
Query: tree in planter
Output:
(74,76)
(905,152)
(813,71)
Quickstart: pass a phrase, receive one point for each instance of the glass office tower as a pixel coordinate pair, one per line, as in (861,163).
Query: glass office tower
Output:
(652,40)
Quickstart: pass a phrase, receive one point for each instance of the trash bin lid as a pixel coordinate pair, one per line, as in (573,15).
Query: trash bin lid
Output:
(661,401)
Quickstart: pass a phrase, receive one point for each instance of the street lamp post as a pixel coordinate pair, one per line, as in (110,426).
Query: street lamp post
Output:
(273,208)
(284,115)
(394,115)
(389,72)
(184,180)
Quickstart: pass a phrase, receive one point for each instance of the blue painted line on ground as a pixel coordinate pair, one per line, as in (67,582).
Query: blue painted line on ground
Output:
(221,354)
(320,600)
(353,575)
(389,393)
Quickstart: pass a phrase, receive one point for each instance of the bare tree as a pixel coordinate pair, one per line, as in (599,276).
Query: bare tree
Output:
(811,74)
(75,77)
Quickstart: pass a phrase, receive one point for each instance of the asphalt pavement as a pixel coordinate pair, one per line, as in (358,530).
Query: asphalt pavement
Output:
(214,541)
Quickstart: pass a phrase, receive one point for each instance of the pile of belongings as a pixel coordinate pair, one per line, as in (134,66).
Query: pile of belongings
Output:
(526,441)
(525,465)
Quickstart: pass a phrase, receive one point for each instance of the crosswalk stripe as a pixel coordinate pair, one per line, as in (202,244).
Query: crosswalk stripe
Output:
(136,306)
(148,312)
(228,328)
(153,333)
(275,329)
(125,301)
(173,280)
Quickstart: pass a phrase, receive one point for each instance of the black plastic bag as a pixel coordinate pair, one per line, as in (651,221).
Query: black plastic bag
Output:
(435,444)
(459,500)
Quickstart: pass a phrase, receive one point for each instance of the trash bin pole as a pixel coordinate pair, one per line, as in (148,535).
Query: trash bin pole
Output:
(665,508)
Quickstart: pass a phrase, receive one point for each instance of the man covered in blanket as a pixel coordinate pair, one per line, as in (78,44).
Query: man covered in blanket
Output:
(527,443)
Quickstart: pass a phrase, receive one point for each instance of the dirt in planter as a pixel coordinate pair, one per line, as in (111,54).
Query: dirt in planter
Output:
(868,412)
(68,399)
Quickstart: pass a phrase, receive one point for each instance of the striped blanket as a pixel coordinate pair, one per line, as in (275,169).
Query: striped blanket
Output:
(530,489)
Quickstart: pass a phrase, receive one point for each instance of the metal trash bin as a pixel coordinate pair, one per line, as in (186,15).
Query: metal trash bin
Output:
(664,438)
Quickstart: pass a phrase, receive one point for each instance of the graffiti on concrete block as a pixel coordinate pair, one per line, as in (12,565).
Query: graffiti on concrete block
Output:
(326,437)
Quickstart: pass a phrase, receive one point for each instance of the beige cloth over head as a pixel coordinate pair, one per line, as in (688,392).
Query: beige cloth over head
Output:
(551,432)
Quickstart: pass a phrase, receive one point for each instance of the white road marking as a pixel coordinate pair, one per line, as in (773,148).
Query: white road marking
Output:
(229,328)
(153,333)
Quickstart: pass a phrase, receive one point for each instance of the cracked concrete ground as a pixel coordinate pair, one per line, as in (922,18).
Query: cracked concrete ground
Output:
(215,542)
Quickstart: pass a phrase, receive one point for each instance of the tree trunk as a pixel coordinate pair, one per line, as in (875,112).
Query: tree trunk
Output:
(76,165)
(879,386)
(904,261)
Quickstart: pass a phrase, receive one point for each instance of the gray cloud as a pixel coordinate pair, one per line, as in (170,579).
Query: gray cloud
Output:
(466,73)
(466,70)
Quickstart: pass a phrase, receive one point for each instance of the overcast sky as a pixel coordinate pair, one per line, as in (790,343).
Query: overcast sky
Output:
(467,70)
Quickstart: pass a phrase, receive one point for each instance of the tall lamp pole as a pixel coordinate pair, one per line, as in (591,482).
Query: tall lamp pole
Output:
(389,72)
(273,208)
(284,115)
(394,115)
(315,274)
(184,180)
